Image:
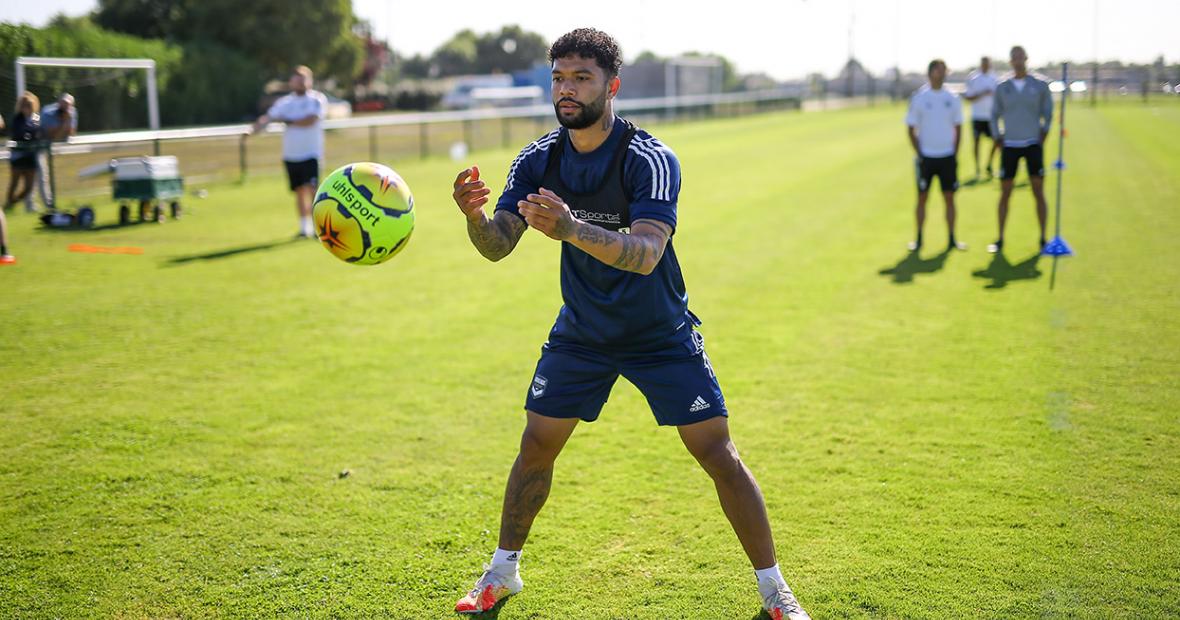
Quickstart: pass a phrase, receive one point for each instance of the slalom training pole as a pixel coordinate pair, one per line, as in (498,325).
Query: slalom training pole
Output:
(1058,246)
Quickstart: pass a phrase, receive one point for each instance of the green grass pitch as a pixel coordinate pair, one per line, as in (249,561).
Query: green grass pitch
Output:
(948,439)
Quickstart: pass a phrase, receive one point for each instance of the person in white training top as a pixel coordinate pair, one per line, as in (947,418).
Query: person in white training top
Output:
(303,140)
(981,86)
(933,126)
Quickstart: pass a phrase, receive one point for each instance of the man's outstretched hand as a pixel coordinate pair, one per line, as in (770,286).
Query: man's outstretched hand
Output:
(471,194)
(548,213)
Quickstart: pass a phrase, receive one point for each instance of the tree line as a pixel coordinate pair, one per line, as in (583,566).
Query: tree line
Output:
(212,56)
(215,56)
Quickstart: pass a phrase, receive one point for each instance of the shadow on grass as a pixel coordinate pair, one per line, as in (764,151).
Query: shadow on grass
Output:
(494,612)
(903,272)
(986,181)
(975,182)
(93,229)
(231,252)
(1001,272)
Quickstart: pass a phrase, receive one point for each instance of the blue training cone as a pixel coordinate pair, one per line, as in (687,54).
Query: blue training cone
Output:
(1057,247)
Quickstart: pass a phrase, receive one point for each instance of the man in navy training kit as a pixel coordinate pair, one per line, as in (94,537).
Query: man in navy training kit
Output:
(608,191)
(934,126)
(1025,105)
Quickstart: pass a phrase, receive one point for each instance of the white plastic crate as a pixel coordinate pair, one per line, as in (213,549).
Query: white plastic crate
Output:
(137,168)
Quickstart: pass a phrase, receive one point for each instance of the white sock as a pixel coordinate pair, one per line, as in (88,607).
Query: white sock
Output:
(305,225)
(769,579)
(505,561)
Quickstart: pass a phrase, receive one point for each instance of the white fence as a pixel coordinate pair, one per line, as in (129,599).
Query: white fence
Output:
(207,153)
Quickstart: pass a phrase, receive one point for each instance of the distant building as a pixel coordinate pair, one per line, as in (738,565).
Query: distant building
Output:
(759,81)
(671,77)
(854,81)
(539,75)
(647,78)
(462,89)
(506,97)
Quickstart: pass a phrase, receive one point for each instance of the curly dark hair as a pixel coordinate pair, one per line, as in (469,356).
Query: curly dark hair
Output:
(589,43)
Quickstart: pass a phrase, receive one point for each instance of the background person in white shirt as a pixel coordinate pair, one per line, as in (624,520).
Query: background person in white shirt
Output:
(981,86)
(933,124)
(303,140)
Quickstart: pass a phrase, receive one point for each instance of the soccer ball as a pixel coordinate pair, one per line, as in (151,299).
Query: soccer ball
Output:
(364,213)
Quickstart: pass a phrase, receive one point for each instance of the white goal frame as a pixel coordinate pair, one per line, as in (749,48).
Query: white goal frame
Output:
(100,63)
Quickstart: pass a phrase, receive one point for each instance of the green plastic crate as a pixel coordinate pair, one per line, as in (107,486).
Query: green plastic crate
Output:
(148,189)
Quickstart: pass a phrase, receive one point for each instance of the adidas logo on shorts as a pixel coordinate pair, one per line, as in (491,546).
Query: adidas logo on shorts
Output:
(699,405)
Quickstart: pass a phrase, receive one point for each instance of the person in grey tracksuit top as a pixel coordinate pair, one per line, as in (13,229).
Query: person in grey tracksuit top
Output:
(1025,107)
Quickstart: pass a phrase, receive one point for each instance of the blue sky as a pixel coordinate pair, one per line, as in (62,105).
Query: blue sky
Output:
(787,38)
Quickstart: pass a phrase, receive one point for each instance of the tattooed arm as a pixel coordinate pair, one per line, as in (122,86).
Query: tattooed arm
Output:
(497,236)
(494,237)
(639,251)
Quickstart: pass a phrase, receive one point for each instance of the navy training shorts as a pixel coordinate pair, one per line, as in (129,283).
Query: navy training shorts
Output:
(574,381)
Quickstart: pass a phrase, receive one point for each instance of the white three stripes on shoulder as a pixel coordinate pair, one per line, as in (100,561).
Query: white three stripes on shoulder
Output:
(657,171)
(542,144)
(657,159)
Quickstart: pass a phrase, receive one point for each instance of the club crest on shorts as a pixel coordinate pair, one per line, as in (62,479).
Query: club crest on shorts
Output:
(539,384)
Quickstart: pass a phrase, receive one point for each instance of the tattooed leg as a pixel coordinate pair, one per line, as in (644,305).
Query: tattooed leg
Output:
(526,494)
(531,477)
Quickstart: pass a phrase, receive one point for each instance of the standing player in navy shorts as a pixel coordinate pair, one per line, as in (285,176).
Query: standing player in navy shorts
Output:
(608,191)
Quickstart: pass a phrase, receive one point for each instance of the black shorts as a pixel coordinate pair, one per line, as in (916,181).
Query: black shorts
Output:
(1034,160)
(979,128)
(306,172)
(945,168)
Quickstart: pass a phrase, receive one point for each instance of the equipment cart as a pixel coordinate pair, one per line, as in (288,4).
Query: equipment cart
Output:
(150,181)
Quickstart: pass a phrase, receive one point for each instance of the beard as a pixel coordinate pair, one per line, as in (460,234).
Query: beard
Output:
(588,113)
